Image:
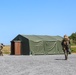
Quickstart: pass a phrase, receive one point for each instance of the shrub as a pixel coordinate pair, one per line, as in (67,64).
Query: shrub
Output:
(73,49)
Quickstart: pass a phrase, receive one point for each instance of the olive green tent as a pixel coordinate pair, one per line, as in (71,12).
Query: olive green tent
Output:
(37,44)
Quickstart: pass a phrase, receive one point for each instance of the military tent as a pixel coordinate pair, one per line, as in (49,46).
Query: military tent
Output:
(36,45)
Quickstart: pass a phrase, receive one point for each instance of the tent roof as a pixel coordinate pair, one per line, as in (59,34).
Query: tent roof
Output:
(42,37)
(57,37)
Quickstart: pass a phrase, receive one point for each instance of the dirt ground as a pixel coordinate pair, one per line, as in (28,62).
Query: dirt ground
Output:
(37,65)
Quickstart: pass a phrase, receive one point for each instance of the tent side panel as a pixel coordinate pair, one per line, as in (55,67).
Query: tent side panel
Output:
(59,47)
(50,47)
(36,47)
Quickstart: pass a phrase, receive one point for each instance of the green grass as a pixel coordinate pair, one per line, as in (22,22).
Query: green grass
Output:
(73,49)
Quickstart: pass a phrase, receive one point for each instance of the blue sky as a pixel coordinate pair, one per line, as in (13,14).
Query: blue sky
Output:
(36,17)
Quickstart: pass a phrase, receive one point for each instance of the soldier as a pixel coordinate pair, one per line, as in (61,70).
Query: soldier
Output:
(1,47)
(66,43)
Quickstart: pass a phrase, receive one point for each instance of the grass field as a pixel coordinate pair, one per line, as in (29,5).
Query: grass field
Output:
(6,49)
(73,48)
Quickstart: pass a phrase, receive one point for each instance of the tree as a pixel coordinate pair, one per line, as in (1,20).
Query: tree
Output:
(73,37)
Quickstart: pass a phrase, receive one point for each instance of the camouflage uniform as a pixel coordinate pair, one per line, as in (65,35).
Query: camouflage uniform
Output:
(66,44)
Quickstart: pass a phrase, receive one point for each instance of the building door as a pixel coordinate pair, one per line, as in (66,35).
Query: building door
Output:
(17,47)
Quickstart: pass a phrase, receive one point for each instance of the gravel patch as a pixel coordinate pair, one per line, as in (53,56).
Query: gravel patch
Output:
(37,65)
